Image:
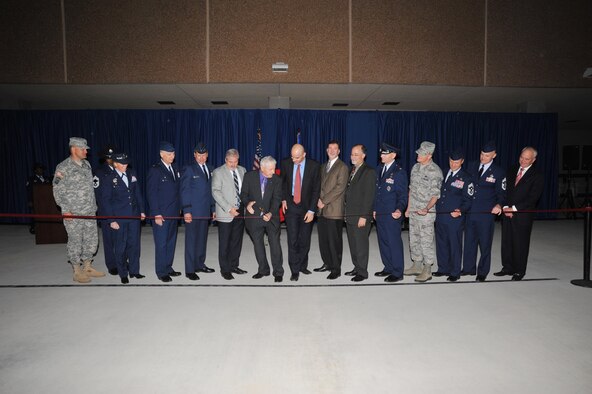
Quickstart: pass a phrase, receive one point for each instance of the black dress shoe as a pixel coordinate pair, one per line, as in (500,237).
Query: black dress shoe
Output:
(306,271)
(125,280)
(294,277)
(278,279)
(113,271)
(392,278)
(517,277)
(438,273)
(467,273)
(481,278)
(192,276)
(452,278)
(381,273)
(138,276)
(227,276)
(333,275)
(322,268)
(165,278)
(502,273)
(258,276)
(239,271)
(358,278)
(205,269)
(174,273)
(351,273)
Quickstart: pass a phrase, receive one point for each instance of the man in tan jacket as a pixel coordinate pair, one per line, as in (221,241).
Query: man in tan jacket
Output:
(334,177)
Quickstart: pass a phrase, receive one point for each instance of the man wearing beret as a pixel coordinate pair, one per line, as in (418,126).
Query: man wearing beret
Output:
(121,196)
(163,199)
(488,198)
(74,193)
(390,203)
(104,170)
(198,207)
(424,191)
(452,206)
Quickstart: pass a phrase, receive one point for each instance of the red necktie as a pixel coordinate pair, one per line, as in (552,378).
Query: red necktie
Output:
(519,176)
(297,185)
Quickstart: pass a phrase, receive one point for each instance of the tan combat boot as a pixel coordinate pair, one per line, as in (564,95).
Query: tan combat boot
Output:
(415,269)
(79,274)
(90,271)
(426,274)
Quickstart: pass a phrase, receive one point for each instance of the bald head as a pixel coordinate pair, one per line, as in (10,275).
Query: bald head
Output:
(298,154)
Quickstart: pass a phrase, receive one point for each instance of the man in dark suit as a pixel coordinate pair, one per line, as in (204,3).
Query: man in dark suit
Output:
(359,200)
(198,207)
(334,177)
(525,186)
(163,198)
(455,200)
(300,194)
(227,181)
(489,196)
(121,196)
(390,203)
(261,195)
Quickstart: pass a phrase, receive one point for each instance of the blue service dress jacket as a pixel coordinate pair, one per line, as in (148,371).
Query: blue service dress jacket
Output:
(196,191)
(117,199)
(163,190)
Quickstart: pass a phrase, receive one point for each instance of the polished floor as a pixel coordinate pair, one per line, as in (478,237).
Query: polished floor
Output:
(310,336)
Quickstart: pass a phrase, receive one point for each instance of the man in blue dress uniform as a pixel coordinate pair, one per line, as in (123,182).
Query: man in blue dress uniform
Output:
(198,207)
(163,198)
(104,170)
(454,202)
(488,198)
(390,202)
(120,195)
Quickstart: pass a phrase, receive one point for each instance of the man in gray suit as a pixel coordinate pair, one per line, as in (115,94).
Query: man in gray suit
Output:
(227,182)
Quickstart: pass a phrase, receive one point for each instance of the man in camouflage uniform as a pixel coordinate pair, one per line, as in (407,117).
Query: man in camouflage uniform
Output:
(424,191)
(74,193)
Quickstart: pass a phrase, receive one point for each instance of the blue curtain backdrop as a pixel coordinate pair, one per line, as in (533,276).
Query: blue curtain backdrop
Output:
(42,136)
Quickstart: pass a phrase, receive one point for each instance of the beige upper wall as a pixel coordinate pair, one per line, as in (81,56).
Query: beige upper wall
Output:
(31,49)
(418,42)
(311,36)
(526,43)
(539,43)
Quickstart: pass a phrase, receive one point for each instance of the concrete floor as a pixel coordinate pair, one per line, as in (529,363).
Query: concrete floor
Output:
(311,336)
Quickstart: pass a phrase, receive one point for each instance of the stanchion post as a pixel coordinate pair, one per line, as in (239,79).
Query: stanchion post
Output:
(586,282)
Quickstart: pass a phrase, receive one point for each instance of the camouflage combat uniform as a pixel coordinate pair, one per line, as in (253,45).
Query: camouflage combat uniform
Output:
(425,182)
(73,191)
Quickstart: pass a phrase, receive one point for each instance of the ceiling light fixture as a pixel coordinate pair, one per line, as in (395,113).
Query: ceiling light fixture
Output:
(166,102)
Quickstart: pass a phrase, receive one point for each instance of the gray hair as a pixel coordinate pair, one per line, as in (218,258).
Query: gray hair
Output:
(232,152)
(268,161)
(534,151)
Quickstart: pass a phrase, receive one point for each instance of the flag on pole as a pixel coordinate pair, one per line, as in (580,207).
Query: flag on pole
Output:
(258,151)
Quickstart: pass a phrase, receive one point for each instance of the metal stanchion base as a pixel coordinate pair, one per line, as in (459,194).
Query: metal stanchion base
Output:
(582,282)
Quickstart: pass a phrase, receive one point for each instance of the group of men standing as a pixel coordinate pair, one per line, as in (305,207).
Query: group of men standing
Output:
(440,210)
